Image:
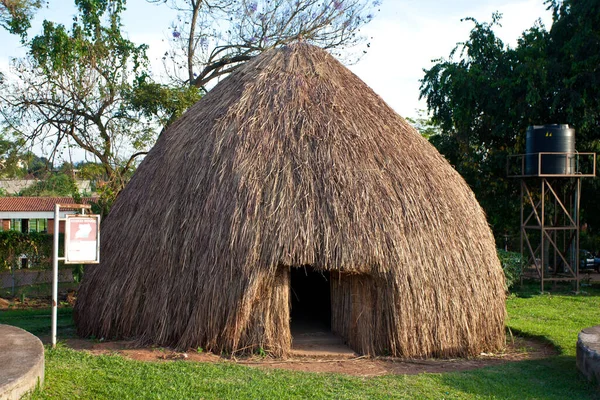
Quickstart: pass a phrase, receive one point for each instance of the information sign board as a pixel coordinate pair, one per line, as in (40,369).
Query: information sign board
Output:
(82,239)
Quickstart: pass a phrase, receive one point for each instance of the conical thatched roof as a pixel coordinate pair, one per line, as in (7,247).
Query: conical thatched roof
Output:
(293,161)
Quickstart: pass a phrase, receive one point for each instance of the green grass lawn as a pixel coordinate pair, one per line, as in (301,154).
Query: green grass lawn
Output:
(556,318)
(38,321)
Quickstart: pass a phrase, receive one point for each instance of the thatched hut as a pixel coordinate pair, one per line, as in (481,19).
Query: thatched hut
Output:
(292,191)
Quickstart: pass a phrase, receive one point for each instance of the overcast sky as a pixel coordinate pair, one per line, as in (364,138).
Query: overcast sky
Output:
(405,36)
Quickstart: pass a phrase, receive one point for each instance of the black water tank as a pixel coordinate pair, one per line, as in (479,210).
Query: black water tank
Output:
(555,138)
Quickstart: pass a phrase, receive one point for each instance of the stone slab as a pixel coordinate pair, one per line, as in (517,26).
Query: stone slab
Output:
(588,353)
(320,344)
(21,362)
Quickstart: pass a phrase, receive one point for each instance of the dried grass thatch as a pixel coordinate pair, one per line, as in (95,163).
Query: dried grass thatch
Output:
(292,160)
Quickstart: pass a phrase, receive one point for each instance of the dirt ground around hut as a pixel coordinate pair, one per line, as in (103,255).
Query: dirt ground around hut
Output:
(65,298)
(520,349)
(326,360)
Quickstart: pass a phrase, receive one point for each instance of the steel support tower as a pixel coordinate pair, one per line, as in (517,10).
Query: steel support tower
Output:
(550,216)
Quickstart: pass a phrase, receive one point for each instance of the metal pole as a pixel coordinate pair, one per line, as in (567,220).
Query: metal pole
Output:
(55,273)
(577,204)
(554,237)
(542,226)
(521,231)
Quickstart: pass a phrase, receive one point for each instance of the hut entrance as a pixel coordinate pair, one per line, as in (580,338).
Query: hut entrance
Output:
(311,300)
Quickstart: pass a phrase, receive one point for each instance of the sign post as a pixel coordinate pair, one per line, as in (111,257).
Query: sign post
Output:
(82,246)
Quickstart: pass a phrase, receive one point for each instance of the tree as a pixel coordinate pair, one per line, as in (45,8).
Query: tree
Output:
(467,96)
(15,15)
(87,86)
(12,159)
(212,38)
(424,125)
(159,102)
(485,95)
(55,184)
(37,167)
(574,55)
(76,88)
(18,162)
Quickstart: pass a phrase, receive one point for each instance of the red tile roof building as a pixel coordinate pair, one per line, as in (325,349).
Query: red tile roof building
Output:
(37,203)
(34,213)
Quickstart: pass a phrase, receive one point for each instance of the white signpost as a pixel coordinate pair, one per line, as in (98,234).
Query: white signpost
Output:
(82,246)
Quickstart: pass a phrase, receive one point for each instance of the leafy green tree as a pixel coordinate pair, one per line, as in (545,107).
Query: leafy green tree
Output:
(88,86)
(76,88)
(38,167)
(56,184)
(17,163)
(485,95)
(574,56)
(426,127)
(12,159)
(90,171)
(160,102)
(469,100)
(15,15)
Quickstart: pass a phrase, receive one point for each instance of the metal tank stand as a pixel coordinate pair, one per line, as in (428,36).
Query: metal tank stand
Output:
(550,229)
(550,218)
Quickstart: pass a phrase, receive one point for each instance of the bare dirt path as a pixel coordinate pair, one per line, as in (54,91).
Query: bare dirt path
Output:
(520,349)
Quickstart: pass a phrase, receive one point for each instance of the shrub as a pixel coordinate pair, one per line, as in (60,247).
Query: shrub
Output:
(35,246)
(511,265)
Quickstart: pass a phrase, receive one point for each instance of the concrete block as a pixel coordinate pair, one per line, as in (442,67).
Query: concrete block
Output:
(21,362)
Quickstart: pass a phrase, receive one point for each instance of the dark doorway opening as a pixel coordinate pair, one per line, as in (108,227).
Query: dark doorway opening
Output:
(311,300)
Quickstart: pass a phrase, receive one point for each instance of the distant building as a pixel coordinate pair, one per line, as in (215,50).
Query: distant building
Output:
(34,214)
(14,186)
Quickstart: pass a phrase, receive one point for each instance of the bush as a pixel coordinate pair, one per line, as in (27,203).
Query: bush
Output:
(511,265)
(54,185)
(37,247)
(589,241)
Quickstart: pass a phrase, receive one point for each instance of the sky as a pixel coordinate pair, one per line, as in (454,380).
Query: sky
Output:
(409,34)
(404,36)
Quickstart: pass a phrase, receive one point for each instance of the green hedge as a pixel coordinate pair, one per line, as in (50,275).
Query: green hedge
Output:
(37,247)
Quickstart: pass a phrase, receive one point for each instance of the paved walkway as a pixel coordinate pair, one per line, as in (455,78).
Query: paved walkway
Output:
(21,362)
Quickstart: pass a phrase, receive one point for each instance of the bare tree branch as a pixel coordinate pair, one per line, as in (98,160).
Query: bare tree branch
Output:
(211,38)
